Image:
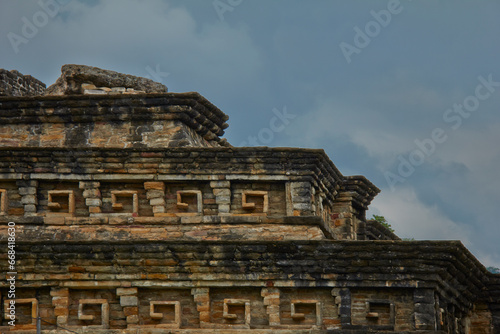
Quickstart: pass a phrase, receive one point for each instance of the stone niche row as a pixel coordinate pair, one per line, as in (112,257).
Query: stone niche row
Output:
(223,307)
(71,199)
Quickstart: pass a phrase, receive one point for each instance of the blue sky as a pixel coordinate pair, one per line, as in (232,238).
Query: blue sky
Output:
(405,92)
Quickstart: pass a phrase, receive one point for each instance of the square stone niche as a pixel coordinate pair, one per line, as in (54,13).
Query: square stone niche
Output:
(22,320)
(189,202)
(174,305)
(237,302)
(122,198)
(380,313)
(255,201)
(61,203)
(88,317)
(301,316)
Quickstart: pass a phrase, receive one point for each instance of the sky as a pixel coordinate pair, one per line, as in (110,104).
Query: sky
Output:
(404,92)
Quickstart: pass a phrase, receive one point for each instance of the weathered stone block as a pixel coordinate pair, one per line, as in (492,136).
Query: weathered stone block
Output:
(222,192)
(93,202)
(424,321)
(223,199)
(220,184)
(89,184)
(27,191)
(133,319)
(302,206)
(155,194)
(126,291)
(94,209)
(128,301)
(154,186)
(159,209)
(28,199)
(157,201)
(87,193)
(30,208)
(224,208)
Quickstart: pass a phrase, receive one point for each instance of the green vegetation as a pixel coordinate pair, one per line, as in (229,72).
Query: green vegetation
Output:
(383,221)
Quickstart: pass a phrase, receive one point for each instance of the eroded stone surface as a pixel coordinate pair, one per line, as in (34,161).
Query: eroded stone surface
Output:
(76,79)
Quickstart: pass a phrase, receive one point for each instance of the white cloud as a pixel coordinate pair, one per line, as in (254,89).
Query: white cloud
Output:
(128,35)
(365,127)
(412,219)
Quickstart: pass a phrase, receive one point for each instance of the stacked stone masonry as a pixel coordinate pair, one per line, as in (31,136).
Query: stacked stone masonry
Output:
(132,215)
(13,83)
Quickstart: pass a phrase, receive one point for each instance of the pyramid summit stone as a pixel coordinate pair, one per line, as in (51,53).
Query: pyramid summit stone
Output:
(73,77)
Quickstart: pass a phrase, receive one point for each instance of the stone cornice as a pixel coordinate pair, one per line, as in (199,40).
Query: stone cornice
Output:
(190,108)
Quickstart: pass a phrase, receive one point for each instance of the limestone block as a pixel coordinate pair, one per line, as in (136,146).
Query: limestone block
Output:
(224,208)
(126,291)
(88,86)
(128,301)
(94,92)
(93,202)
(154,186)
(89,184)
(28,199)
(155,194)
(220,184)
(157,201)
(89,193)
(3,201)
(302,206)
(201,297)
(27,191)
(159,209)
(223,199)
(94,209)
(133,319)
(30,208)
(272,303)
(27,183)
(222,192)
